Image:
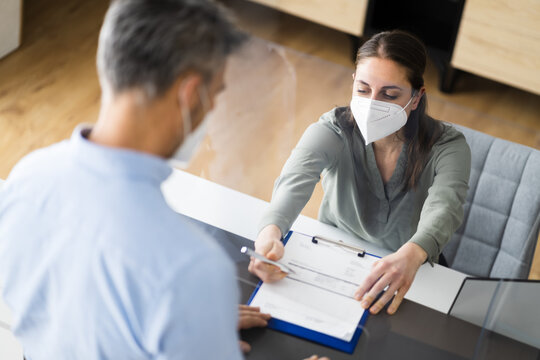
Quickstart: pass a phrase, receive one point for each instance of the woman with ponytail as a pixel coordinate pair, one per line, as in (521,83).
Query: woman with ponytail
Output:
(392,175)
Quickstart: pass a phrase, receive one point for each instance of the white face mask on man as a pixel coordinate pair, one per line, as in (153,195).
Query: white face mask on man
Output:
(377,119)
(192,140)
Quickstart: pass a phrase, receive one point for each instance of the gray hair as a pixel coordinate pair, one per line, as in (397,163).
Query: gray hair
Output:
(148,44)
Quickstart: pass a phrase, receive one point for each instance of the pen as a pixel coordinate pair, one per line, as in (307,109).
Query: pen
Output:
(360,252)
(249,252)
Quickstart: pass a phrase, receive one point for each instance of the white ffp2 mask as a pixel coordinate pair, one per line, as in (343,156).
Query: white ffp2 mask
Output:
(377,119)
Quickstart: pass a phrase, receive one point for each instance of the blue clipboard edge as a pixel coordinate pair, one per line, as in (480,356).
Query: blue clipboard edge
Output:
(315,336)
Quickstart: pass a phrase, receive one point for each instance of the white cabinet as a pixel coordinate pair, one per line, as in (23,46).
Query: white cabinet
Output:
(10,25)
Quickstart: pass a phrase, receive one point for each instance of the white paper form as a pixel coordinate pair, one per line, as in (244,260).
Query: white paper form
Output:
(319,295)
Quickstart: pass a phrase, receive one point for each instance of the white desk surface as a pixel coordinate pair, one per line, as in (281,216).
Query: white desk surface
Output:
(434,287)
(5,313)
(10,349)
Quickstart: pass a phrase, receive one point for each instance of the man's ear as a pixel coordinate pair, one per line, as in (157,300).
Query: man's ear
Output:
(418,97)
(186,89)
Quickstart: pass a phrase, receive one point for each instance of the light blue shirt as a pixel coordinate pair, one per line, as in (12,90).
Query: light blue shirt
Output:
(95,265)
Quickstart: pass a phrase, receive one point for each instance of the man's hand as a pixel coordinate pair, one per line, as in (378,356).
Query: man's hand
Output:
(397,271)
(268,244)
(248,317)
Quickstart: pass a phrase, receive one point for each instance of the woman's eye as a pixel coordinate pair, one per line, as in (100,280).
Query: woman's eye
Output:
(361,91)
(390,97)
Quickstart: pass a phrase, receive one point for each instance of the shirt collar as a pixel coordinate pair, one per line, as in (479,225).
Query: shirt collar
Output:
(117,161)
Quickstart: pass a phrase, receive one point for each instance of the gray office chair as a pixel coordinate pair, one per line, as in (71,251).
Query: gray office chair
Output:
(499,232)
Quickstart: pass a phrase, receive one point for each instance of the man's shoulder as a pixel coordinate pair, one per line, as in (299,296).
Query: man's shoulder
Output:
(35,172)
(40,160)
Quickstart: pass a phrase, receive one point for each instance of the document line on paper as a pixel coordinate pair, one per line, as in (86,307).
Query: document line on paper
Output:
(321,274)
(323,281)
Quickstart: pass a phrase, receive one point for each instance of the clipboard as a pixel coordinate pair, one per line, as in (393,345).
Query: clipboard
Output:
(312,335)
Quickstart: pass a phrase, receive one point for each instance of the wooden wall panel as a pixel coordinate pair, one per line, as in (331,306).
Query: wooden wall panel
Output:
(343,15)
(500,40)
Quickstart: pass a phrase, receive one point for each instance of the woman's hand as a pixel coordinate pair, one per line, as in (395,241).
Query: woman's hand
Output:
(248,317)
(397,271)
(268,244)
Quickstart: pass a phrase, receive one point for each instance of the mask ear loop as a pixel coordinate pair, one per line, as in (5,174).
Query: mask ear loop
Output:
(186,119)
(186,116)
(415,93)
(205,100)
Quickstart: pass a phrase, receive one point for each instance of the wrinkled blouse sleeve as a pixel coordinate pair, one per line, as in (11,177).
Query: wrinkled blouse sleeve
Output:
(442,211)
(317,149)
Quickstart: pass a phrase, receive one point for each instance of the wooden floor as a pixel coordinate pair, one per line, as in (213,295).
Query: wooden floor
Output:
(49,85)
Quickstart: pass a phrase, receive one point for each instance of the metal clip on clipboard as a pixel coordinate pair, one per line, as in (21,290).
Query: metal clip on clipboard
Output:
(360,252)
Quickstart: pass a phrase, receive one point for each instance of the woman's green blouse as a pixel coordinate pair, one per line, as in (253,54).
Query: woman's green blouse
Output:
(355,197)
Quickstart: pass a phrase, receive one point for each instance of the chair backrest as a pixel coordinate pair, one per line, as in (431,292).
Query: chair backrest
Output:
(499,232)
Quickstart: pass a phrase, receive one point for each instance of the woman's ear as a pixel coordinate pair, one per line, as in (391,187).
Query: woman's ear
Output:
(418,97)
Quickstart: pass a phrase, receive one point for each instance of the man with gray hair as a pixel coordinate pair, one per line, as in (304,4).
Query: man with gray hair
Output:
(94,263)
